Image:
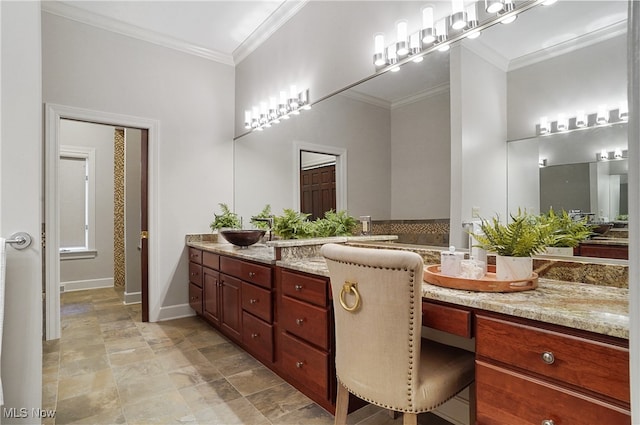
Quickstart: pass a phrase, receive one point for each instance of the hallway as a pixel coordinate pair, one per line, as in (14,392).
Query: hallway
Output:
(110,368)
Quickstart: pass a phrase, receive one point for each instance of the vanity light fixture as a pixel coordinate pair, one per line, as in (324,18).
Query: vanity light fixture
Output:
(508,7)
(392,58)
(402,46)
(472,22)
(428,31)
(616,154)
(544,125)
(378,51)
(602,117)
(269,113)
(459,16)
(442,35)
(623,112)
(581,119)
(415,47)
(493,6)
(563,123)
(604,155)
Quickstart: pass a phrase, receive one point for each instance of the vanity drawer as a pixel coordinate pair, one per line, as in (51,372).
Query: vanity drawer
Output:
(305,320)
(211,260)
(505,397)
(305,288)
(593,365)
(195,255)
(254,273)
(195,298)
(306,364)
(195,274)
(257,336)
(257,301)
(447,319)
(257,274)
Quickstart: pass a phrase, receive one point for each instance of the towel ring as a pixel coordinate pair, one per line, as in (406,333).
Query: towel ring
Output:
(350,287)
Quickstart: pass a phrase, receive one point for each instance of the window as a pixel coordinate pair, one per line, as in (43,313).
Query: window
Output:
(77,202)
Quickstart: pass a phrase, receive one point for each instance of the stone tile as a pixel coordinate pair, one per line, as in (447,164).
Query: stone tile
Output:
(220,351)
(78,409)
(232,365)
(194,374)
(166,408)
(311,414)
(238,411)
(205,338)
(115,334)
(84,366)
(177,359)
(51,359)
(134,372)
(204,396)
(73,353)
(120,344)
(130,355)
(254,380)
(279,400)
(120,324)
(142,389)
(73,386)
(163,345)
(109,416)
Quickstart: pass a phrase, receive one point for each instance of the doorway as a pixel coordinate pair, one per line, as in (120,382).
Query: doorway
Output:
(317,183)
(57,118)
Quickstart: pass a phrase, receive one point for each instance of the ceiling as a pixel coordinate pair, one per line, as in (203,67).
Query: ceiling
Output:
(227,31)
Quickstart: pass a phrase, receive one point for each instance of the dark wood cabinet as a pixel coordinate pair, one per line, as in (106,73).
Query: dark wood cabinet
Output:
(230,306)
(211,289)
(528,373)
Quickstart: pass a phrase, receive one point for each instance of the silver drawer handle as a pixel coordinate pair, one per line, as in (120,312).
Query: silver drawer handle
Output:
(255,335)
(547,422)
(252,274)
(548,358)
(298,288)
(299,364)
(253,301)
(299,322)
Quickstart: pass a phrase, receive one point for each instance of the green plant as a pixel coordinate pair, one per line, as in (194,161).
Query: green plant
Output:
(265,213)
(335,224)
(292,225)
(226,219)
(565,231)
(524,236)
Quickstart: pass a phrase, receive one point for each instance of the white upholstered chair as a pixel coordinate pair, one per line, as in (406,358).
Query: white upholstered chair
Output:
(380,355)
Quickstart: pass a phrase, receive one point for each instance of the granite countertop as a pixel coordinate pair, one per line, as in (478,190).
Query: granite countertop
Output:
(589,307)
(599,309)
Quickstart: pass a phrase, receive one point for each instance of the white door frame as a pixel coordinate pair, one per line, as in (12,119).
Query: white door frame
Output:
(53,114)
(341,171)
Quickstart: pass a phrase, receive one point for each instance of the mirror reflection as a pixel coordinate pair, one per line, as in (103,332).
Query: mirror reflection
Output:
(391,135)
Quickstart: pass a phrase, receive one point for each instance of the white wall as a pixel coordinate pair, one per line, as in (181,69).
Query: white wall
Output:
(478,140)
(191,97)
(421,158)
(21,205)
(99,137)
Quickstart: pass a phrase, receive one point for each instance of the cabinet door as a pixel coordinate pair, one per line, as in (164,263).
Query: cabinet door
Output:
(231,305)
(195,298)
(211,306)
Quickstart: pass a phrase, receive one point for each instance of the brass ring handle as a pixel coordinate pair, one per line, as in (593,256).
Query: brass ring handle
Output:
(350,287)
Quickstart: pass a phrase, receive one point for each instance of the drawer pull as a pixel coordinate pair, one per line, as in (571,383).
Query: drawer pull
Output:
(255,335)
(298,288)
(299,364)
(252,274)
(253,301)
(194,274)
(299,322)
(548,358)
(547,422)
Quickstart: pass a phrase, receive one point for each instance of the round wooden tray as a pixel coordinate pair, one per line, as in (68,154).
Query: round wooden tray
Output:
(487,284)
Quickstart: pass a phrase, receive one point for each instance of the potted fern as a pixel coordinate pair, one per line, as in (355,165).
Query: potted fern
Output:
(566,232)
(514,244)
(226,220)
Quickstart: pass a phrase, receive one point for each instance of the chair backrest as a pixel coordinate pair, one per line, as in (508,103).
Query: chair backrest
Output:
(378,343)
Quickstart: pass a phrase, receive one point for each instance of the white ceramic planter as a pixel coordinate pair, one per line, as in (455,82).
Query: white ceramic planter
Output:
(513,268)
(563,251)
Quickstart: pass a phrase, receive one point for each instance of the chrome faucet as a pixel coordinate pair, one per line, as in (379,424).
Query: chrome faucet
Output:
(268,220)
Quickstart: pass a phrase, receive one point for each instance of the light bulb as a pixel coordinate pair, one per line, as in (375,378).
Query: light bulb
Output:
(603,116)
(562,123)
(493,6)
(604,155)
(623,111)
(378,55)
(544,125)
(402,49)
(247,119)
(428,32)
(617,154)
(581,119)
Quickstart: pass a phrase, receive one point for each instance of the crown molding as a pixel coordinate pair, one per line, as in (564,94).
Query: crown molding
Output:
(366,98)
(576,43)
(277,19)
(487,53)
(432,91)
(109,24)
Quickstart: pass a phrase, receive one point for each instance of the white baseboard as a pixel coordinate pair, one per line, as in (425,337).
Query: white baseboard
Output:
(455,411)
(132,297)
(79,285)
(175,312)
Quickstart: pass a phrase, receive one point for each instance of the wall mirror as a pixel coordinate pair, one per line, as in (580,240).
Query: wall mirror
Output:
(395,126)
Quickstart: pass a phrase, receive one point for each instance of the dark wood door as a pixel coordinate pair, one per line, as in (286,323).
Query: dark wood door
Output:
(318,191)
(231,305)
(211,296)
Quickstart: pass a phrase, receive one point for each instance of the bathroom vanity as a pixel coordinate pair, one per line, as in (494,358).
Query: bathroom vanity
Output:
(557,354)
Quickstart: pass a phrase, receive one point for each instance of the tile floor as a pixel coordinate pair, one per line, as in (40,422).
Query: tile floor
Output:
(110,368)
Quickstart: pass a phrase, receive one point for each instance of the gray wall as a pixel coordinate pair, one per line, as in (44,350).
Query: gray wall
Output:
(191,97)
(99,137)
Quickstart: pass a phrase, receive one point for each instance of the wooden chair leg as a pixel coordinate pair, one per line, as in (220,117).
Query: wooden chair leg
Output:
(342,405)
(410,419)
